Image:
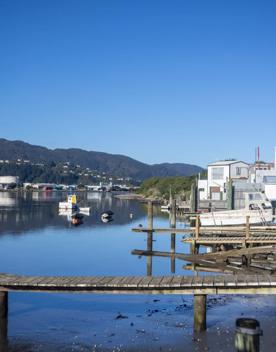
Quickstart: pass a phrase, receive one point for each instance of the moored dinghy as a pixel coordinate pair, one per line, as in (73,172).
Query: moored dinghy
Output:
(106,216)
(72,204)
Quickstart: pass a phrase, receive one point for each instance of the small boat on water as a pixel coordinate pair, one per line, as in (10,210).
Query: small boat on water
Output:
(106,216)
(71,204)
(257,207)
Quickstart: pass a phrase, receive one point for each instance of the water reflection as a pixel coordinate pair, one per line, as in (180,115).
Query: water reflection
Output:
(37,210)
(49,245)
(7,200)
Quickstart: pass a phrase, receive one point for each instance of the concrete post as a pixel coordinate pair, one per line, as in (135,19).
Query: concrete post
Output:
(199,313)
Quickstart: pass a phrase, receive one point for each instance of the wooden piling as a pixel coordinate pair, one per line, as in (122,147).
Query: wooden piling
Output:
(149,248)
(247,338)
(193,199)
(150,215)
(230,198)
(173,251)
(199,313)
(194,248)
(173,214)
(173,226)
(197,227)
(3,321)
(247,228)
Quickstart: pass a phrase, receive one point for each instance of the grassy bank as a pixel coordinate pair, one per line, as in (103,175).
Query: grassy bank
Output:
(159,187)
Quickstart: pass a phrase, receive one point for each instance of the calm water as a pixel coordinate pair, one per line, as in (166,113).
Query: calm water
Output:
(35,240)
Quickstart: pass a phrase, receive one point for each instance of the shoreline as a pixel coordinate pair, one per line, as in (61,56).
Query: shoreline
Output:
(140,197)
(165,325)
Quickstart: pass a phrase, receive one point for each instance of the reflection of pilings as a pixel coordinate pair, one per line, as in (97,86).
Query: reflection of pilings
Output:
(173,225)
(3,321)
(149,248)
(149,241)
(149,238)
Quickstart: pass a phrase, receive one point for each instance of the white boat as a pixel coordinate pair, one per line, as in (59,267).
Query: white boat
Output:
(71,203)
(257,207)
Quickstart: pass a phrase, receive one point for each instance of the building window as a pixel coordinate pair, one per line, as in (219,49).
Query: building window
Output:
(238,171)
(217,173)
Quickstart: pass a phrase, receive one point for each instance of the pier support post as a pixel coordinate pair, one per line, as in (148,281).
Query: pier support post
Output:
(150,238)
(149,258)
(248,334)
(230,198)
(247,229)
(199,313)
(173,251)
(173,226)
(150,216)
(3,321)
(193,198)
(173,214)
(197,227)
(194,248)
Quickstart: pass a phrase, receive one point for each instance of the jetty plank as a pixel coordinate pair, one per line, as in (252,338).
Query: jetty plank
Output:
(228,284)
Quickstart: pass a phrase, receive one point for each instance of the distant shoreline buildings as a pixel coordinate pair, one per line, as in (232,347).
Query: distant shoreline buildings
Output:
(239,176)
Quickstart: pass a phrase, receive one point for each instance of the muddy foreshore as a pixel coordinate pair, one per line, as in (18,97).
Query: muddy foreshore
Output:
(163,324)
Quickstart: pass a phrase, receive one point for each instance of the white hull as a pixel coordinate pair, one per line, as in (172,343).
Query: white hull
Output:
(236,217)
(85,211)
(67,205)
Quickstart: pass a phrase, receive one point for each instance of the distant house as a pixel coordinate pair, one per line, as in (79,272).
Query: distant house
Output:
(219,174)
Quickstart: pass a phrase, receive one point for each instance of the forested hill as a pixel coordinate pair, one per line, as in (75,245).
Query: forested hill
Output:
(111,164)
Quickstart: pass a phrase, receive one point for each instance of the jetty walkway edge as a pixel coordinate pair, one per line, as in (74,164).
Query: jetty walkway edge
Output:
(199,286)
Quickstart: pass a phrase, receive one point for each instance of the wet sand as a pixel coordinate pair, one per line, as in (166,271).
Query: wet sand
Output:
(159,323)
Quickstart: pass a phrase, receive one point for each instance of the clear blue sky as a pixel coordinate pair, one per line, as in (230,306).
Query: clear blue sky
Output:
(177,80)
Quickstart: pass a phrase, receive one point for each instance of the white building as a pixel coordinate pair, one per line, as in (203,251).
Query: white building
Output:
(202,189)
(219,174)
(265,174)
(6,181)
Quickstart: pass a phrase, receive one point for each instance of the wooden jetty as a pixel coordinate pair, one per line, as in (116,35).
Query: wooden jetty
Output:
(214,235)
(198,286)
